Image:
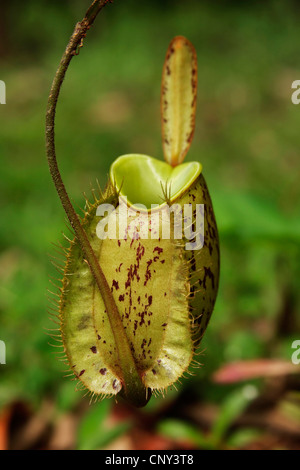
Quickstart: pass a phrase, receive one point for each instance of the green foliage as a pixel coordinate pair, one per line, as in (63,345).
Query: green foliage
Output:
(247,139)
(231,408)
(93,431)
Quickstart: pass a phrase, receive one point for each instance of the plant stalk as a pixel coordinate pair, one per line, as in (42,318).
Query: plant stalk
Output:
(133,388)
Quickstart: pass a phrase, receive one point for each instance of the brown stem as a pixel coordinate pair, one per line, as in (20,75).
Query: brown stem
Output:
(134,389)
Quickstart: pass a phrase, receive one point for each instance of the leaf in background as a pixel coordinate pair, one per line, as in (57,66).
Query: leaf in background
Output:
(182,431)
(290,406)
(93,433)
(245,370)
(243,437)
(90,428)
(231,409)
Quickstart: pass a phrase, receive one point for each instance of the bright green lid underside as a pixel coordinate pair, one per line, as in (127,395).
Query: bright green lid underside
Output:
(141,178)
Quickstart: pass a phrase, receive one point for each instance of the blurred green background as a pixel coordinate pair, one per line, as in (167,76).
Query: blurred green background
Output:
(247,138)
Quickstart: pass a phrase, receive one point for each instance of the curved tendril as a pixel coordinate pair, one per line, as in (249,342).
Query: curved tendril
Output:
(133,388)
